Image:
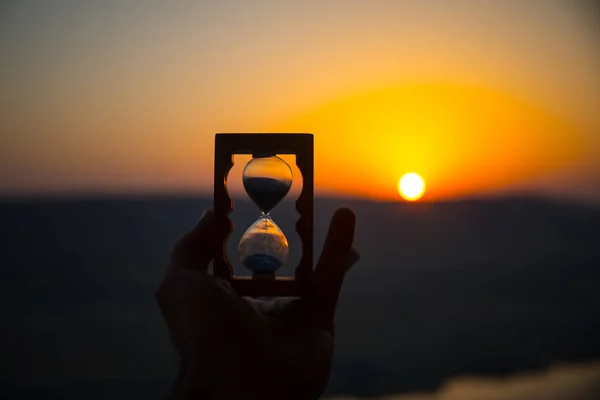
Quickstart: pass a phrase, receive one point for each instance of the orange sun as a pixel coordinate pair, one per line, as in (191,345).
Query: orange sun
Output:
(411,186)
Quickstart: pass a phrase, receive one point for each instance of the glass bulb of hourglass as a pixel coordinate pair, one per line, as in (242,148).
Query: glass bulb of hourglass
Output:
(264,248)
(267,180)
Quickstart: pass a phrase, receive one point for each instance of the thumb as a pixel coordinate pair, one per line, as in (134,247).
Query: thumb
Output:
(334,261)
(196,248)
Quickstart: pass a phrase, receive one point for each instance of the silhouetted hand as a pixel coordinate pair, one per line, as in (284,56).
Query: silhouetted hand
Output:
(241,348)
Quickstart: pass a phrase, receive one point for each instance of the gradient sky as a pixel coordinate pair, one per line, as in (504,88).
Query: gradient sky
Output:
(477,96)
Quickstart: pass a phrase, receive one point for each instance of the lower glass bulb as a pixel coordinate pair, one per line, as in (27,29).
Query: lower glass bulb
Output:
(263,248)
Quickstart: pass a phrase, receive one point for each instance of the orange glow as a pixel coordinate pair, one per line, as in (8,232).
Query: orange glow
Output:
(473,98)
(464,140)
(411,187)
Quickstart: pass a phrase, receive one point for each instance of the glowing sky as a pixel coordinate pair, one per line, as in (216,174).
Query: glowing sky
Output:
(476,96)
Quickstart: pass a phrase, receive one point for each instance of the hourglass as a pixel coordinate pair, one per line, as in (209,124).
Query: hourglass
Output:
(267,179)
(264,248)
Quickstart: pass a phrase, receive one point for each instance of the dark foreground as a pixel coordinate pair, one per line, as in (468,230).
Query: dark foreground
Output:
(442,290)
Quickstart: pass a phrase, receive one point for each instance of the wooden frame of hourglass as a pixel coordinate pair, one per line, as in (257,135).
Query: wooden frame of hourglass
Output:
(271,144)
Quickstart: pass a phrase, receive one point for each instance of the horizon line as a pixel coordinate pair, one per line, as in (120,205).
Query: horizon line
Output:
(183,194)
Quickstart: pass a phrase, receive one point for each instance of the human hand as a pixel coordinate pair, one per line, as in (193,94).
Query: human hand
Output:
(244,348)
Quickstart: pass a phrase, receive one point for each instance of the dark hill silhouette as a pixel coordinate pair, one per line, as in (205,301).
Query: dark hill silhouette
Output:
(442,289)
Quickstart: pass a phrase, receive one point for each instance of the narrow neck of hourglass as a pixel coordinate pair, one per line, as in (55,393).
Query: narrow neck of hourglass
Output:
(265,214)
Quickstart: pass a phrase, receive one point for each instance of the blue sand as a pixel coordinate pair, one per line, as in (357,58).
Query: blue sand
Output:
(266,192)
(262,263)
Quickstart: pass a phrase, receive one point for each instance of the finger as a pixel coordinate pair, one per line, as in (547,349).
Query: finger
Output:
(336,258)
(196,248)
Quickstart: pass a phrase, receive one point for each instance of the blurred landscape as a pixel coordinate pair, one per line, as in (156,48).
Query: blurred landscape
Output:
(464,299)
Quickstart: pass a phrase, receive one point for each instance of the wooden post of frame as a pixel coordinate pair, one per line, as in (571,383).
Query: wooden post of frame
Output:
(299,144)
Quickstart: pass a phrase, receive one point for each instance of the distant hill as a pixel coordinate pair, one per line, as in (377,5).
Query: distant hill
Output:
(442,289)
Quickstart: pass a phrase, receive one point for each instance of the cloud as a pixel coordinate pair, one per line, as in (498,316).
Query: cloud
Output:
(560,382)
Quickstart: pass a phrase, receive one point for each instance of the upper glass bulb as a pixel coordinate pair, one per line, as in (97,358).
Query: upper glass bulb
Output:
(267,181)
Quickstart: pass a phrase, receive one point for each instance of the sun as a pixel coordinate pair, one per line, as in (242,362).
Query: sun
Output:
(411,186)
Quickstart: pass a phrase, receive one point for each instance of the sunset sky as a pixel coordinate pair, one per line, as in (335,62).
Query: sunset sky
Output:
(479,97)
